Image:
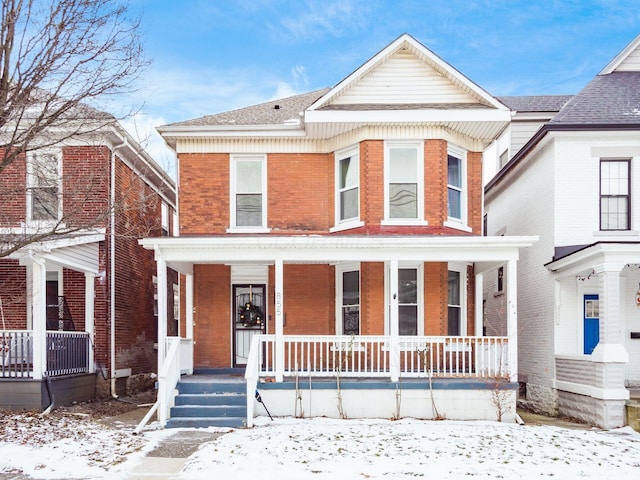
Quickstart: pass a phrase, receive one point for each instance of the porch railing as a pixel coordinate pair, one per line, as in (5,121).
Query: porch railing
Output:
(67,353)
(16,353)
(384,356)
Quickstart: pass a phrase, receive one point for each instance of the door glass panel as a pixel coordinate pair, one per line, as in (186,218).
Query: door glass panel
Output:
(454,310)
(351,303)
(408,301)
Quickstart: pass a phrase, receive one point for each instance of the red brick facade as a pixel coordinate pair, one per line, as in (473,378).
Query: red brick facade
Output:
(301,200)
(85,196)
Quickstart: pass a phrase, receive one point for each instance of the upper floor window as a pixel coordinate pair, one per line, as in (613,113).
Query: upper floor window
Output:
(404,182)
(456,187)
(347,189)
(164,215)
(248,192)
(44,185)
(615,188)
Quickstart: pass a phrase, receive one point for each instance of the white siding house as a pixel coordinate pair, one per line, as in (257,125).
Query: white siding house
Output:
(573,184)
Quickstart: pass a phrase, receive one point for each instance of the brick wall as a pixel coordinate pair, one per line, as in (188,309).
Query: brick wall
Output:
(13,284)
(13,182)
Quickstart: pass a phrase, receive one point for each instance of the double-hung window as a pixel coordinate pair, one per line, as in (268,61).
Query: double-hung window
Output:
(615,193)
(456,188)
(44,185)
(456,321)
(404,183)
(348,289)
(248,193)
(347,189)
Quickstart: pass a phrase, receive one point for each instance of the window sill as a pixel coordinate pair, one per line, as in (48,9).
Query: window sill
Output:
(347,226)
(458,225)
(404,222)
(616,233)
(237,230)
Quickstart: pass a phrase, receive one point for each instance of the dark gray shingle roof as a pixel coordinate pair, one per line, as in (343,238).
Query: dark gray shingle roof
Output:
(536,103)
(275,112)
(612,99)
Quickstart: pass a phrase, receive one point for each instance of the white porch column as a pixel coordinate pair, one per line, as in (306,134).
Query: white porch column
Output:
(162,308)
(611,346)
(512,319)
(279,301)
(188,313)
(394,352)
(89,316)
(479,314)
(39,316)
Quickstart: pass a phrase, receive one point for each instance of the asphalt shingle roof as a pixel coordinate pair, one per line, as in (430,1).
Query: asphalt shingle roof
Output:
(275,112)
(612,99)
(536,103)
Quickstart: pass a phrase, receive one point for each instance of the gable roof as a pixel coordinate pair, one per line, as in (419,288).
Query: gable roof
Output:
(627,60)
(404,84)
(608,100)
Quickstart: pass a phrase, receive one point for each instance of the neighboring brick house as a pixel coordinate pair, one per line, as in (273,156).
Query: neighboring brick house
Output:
(346,219)
(78,313)
(573,183)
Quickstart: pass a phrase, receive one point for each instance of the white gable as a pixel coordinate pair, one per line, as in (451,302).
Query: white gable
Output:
(628,60)
(406,72)
(403,79)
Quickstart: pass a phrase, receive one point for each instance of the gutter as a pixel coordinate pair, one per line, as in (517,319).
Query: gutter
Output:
(112,268)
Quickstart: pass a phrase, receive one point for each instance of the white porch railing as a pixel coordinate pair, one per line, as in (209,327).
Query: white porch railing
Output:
(16,353)
(178,359)
(384,356)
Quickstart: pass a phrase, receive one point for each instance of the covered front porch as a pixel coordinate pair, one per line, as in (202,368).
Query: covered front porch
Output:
(380,346)
(46,354)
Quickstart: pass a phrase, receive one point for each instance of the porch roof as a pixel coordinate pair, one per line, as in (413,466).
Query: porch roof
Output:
(181,253)
(614,254)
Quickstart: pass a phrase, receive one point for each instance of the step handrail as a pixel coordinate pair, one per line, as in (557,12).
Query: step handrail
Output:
(251,376)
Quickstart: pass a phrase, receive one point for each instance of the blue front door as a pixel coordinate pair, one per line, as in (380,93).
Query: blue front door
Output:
(591,323)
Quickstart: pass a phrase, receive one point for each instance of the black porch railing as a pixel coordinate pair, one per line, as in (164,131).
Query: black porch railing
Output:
(67,353)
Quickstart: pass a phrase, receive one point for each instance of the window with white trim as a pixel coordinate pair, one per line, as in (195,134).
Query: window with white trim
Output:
(348,299)
(456,186)
(404,182)
(456,319)
(44,189)
(615,195)
(248,192)
(347,186)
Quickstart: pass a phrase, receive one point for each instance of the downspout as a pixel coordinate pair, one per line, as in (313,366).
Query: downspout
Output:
(112,267)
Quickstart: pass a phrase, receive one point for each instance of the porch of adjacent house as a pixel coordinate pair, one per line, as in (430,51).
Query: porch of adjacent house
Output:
(49,362)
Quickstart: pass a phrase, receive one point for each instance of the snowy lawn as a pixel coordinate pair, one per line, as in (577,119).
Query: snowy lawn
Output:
(72,446)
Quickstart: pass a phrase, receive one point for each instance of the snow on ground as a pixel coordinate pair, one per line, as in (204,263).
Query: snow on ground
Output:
(72,446)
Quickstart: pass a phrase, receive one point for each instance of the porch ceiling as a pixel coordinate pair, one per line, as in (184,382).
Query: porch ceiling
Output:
(181,252)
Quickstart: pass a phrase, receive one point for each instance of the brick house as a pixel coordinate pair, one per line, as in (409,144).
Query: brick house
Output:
(573,184)
(78,314)
(338,233)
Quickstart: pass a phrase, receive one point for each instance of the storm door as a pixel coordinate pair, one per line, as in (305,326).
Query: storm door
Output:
(249,319)
(591,323)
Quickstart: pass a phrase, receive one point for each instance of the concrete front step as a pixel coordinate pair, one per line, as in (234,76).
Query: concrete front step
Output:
(209,401)
(633,414)
(205,422)
(216,411)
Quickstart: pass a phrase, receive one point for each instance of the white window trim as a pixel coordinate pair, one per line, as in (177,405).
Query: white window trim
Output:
(29,210)
(462,269)
(420,275)
(419,145)
(463,222)
(340,225)
(232,201)
(341,268)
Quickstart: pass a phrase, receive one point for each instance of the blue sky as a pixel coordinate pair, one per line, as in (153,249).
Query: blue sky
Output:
(209,56)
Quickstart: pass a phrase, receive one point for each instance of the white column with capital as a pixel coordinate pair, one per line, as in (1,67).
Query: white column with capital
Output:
(39,316)
(89,316)
(512,319)
(279,302)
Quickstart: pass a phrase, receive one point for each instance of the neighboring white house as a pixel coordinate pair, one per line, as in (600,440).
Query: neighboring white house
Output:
(573,184)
